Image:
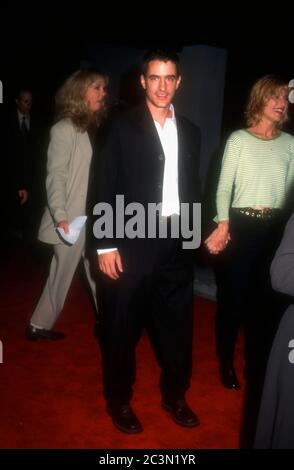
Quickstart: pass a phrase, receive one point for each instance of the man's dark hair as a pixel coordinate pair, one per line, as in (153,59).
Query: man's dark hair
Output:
(164,55)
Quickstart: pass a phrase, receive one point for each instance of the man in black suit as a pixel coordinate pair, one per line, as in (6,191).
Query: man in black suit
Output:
(22,143)
(20,129)
(150,157)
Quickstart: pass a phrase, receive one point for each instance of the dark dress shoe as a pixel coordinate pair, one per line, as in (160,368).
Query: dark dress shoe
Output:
(124,418)
(32,334)
(181,413)
(229,378)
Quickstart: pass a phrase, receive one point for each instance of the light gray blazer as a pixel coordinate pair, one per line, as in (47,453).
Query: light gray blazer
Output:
(69,157)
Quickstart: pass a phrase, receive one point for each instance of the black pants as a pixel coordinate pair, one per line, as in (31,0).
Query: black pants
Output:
(155,290)
(245,296)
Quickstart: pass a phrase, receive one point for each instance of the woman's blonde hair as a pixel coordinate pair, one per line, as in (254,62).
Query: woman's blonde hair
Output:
(70,99)
(262,90)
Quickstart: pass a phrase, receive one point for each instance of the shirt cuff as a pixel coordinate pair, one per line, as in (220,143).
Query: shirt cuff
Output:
(106,250)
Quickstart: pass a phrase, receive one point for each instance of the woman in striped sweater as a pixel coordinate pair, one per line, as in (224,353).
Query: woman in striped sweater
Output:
(256,179)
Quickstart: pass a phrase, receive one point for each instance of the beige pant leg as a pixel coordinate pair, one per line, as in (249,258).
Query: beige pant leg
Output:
(63,265)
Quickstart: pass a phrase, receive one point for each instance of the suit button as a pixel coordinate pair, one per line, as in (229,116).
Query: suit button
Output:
(159,186)
(161,156)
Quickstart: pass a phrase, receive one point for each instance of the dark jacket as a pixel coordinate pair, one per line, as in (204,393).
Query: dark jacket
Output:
(131,163)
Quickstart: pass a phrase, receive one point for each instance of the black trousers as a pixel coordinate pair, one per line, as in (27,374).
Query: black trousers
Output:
(245,296)
(155,291)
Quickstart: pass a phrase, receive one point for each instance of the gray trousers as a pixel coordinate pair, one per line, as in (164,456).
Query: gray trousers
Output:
(63,266)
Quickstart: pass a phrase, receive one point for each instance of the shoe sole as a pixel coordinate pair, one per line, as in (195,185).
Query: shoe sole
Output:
(44,339)
(122,429)
(180,423)
(35,337)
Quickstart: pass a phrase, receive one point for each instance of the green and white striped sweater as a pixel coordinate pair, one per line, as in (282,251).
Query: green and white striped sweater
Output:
(255,171)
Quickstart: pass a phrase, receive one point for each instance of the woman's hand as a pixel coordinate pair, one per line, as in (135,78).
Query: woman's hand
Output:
(219,238)
(64,224)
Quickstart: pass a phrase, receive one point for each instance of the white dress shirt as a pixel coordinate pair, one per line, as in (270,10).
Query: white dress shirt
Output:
(169,140)
(20,119)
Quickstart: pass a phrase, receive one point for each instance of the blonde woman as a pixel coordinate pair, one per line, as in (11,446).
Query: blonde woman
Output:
(79,110)
(256,178)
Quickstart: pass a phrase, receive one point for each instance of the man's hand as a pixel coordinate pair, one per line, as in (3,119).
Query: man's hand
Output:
(110,264)
(64,224)
(23,196)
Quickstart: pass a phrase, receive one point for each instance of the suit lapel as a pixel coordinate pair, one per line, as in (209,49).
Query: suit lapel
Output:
(84,145)
(183,155)
(144,120)
(181,140)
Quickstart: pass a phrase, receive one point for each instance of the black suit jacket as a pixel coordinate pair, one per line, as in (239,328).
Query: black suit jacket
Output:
(21,151)
(131,163)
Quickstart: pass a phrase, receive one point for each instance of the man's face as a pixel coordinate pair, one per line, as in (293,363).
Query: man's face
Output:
(160,83)
(24,102)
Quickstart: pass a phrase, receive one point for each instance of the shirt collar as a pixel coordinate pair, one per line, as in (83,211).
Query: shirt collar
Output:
(21,115)
(171,116)
(171,113)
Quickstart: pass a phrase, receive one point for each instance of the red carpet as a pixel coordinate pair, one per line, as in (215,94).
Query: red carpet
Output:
(51,394)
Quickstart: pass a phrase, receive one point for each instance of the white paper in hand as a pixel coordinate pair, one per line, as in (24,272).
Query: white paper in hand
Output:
(75,228)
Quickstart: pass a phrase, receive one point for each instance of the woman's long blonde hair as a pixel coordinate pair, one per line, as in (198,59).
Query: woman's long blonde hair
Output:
(70,99)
